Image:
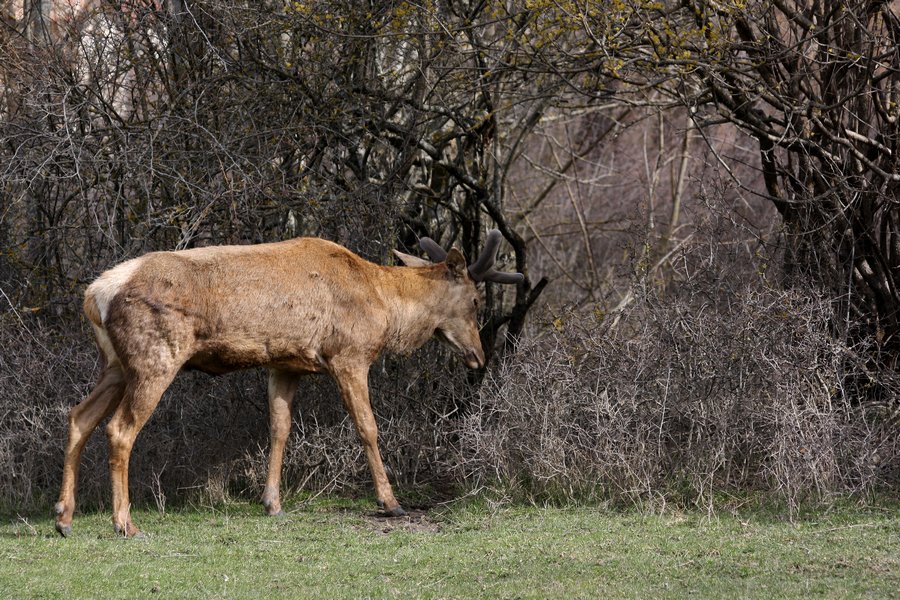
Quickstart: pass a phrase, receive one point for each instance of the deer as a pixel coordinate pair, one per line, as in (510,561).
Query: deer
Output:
(305,305)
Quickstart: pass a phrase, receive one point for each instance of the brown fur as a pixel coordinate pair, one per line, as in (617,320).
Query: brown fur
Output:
(300,306)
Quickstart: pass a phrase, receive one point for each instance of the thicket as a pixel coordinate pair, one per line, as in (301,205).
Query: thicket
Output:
(702,198)
(721,382)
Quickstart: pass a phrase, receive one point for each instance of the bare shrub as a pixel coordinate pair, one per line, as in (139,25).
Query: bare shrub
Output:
(34,376)
(715,382)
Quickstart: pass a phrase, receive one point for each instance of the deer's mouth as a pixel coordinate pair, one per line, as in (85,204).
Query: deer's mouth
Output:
(473,357)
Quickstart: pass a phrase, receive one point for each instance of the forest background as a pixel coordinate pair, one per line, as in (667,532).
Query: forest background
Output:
(702,196)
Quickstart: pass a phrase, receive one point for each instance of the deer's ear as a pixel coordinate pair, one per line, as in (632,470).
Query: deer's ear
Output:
(412,261)
(456,263)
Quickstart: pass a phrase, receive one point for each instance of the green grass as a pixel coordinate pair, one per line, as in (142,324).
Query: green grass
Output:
(332,548)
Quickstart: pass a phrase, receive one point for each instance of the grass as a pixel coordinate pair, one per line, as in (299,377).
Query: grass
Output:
(333,548)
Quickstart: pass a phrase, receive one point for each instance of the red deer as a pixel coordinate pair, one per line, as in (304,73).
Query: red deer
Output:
(300,306)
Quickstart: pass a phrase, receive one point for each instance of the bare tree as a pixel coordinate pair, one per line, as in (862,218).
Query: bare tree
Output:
(139,126)
(816,85)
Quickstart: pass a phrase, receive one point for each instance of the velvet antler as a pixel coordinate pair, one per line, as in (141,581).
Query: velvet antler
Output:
(482,269)
(431,248)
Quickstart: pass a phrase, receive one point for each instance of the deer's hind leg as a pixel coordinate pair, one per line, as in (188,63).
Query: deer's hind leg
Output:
(142,394)
(83,419)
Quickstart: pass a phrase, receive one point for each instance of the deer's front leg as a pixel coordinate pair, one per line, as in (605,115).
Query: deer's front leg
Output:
(354,385)
(282,386)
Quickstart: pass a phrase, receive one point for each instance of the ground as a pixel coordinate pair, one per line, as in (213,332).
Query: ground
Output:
(333,548)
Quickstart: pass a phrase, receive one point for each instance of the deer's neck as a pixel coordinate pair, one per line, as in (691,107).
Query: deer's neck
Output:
(413,297)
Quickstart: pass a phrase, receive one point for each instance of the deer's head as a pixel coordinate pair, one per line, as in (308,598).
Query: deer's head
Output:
(457,313)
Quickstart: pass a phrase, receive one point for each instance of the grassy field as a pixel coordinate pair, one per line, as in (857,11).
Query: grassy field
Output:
(336,548)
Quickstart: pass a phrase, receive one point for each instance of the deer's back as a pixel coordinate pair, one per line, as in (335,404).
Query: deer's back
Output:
(290,304)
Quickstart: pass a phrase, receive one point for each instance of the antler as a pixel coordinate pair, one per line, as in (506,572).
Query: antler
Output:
(431,248)
(481,269)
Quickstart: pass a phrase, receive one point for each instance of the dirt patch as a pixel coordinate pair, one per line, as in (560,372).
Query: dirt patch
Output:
(415,521)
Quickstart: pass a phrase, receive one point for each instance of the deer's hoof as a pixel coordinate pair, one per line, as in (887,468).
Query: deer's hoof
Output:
(272,505)
(63,530)
(130,532)
(278,515)
(397,511)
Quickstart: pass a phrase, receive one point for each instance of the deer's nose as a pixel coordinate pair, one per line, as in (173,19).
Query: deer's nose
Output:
(474,360)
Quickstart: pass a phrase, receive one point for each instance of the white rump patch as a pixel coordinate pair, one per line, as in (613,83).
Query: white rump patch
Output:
(106,346)
(105,287)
